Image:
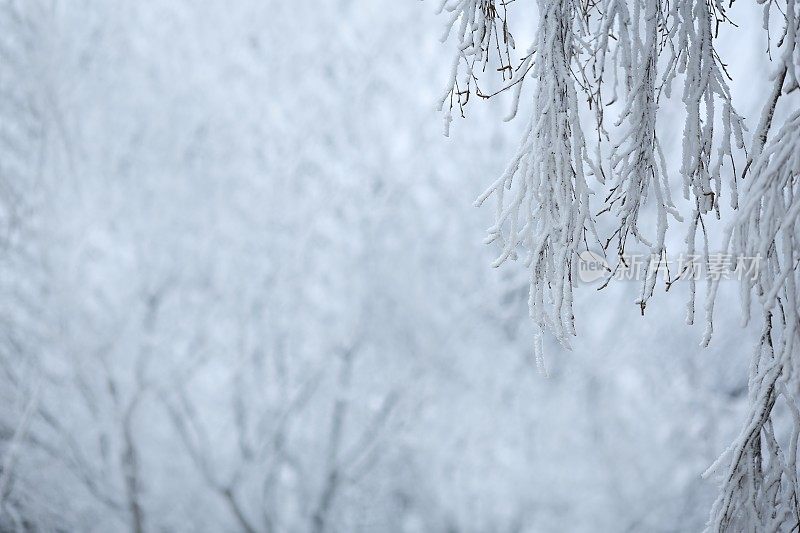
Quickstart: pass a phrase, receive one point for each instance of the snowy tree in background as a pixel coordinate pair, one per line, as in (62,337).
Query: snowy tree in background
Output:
(624,58)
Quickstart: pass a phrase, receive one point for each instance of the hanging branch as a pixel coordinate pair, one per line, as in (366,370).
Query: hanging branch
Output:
(637,160)
(542,199)
(482,32)
(760,485)
(548,208)
(762,471)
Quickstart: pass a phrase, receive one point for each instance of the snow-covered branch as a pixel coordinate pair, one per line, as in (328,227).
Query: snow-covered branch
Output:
(761,474)
(481,30)
(546,208)
(636,50)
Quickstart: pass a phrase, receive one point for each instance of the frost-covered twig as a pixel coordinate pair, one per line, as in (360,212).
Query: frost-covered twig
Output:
(691,35)
(481,28)
(637,160)
(547,210)
(760,484)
